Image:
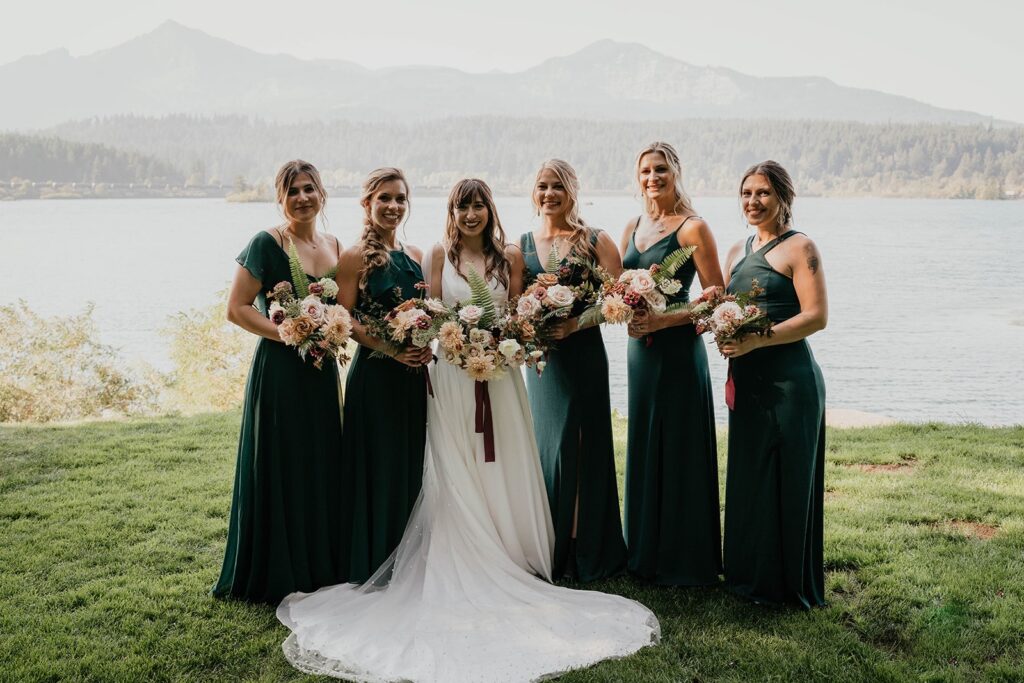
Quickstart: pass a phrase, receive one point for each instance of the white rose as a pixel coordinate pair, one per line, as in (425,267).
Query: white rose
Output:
(642,282)
(471,314)
(314,307)
(528,307)
(670,286)
(478,336)
(536,354)
(726,314)
(559,296)
(435,306)
(330,287)
(509,348)
(656,300)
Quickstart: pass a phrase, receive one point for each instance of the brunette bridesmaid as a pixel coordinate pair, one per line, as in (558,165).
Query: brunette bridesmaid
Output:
(776,474)
(288,526)
(672,512)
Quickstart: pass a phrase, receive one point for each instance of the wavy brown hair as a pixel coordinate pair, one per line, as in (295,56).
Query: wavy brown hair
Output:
(580,237)
(463,193)
(375,253)
(782,185)
(287,174)
(683,205)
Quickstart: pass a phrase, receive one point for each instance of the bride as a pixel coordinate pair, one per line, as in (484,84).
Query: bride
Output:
(460,598)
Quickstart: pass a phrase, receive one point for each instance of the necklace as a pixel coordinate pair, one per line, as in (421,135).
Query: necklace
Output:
(293,236)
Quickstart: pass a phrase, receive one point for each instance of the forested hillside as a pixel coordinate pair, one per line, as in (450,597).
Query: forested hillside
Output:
(830,158)
(51,159)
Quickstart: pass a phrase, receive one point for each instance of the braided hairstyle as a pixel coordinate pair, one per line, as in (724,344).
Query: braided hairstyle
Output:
(375,253)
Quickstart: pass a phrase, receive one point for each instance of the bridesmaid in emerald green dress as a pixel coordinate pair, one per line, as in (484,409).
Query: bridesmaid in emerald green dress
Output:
(385,410)
(775,484)
(672,511)
(287,531)
(570,401)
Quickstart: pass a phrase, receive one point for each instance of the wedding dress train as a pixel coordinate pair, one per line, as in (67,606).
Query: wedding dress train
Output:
(459,599)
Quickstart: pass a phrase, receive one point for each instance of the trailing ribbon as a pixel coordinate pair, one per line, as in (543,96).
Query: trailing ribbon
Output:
(485,420)
(730,389)
(649,340)
(430,387)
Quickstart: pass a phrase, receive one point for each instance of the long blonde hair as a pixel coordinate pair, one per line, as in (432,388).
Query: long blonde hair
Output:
(375,253)
(464,192)
(580,237)
(287,174)
(683,205)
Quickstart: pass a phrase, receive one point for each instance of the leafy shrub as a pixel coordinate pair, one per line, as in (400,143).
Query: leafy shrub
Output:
(55,369)
(211,360)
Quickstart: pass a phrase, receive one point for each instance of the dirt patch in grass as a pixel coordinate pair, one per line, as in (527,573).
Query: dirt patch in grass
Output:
(894,467)
(971,529)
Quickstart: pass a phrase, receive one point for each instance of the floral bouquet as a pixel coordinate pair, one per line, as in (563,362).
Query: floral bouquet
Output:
(731,316)
(553,296)
(643,289)
(414,322)
(483,344)
(307,317)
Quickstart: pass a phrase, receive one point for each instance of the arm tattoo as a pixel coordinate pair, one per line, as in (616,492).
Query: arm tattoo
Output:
(812,259)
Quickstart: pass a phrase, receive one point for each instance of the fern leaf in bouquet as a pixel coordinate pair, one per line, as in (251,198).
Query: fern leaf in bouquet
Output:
(299,279)
(674,262)
(482,297)
(591,316)
(553,263)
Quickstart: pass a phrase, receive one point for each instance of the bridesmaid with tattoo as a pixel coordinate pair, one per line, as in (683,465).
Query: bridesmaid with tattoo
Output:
(775,482)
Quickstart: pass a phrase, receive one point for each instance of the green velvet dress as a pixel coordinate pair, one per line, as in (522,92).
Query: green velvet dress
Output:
(385,432)
(287,530)
(775,483)
(572,416)
(672,512)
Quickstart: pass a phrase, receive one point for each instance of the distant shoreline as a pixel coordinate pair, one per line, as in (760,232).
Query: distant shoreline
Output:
(48,192)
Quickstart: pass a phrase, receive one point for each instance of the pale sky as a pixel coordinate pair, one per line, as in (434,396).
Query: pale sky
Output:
(951,53)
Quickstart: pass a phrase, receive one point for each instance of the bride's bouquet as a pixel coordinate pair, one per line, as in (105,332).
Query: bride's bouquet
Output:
(476,339)
(643,289)
(731,316)
(307,316)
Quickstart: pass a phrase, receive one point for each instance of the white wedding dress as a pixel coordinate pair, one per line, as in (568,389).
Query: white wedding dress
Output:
(459,599)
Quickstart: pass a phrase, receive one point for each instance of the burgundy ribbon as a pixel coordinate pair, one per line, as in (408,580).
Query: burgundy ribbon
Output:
(485,420)
(649,340)
(430,387)
(730,389)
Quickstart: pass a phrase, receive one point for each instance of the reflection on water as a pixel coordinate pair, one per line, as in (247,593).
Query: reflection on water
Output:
(924,321)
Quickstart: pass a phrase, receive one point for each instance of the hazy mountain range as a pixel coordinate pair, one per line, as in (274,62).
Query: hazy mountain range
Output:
(178,70)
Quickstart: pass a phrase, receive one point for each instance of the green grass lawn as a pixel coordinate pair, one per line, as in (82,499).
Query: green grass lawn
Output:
(111,534)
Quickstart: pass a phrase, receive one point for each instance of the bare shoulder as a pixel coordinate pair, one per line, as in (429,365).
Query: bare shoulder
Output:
(694,230)
(604,239)
(436,252)
(353,254)
(513,253)
(802,250)
(735,250)
(415,252)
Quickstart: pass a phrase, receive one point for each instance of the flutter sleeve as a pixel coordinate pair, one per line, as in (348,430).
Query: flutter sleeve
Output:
(256,254)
